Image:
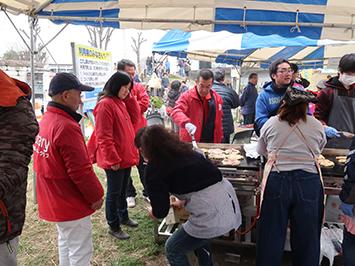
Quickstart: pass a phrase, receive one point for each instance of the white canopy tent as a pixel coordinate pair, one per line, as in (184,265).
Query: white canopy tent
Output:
(314,19)
(250,49)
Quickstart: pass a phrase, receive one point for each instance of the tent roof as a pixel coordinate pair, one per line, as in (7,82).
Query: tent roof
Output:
(315,19)
(226,47)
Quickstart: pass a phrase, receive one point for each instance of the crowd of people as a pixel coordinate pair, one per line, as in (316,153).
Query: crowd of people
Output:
(68,190)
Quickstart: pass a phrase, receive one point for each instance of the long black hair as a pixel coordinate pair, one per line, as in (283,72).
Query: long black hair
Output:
(114,85)
(161,146)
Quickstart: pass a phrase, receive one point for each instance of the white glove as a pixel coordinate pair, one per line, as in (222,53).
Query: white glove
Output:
(191,128)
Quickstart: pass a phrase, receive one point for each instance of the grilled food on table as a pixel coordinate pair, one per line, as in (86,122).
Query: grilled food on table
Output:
(232,151)
(231,162)
(325,163)
(235,156)
(341,159)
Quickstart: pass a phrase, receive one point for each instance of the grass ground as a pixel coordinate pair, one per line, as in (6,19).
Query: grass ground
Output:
(38,242)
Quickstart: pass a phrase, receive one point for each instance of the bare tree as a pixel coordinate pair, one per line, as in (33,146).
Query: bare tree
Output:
(39,57)
(137,48)
(99,36)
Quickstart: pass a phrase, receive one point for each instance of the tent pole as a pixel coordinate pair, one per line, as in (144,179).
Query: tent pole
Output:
(240,76)
(17,30)
(154,71)
(32,64)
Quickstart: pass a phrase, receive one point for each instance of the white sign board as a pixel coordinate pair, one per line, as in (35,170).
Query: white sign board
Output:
(333,63)
(93,67)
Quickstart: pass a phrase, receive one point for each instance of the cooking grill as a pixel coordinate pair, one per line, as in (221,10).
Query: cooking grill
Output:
(248,174)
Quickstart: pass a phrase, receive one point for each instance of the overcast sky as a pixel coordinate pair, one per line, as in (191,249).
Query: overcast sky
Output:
(119,46)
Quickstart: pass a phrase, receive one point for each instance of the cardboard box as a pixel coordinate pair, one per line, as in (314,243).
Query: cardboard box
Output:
(183,214)
(173,214)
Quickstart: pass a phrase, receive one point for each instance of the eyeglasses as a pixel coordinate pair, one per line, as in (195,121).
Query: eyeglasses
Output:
(79,95)
(283,72)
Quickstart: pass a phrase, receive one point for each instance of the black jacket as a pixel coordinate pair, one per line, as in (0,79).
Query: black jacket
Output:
(191,174)
(347,193)
(230,100)
(173,96)
(18,129)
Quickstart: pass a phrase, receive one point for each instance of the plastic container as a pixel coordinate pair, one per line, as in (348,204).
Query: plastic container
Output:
(155,119)
(333,211)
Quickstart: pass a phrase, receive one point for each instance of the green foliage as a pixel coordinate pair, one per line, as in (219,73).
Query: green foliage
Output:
(156,101)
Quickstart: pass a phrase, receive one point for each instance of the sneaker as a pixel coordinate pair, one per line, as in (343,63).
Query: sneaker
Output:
(119,234)
(131,202)
(130,223)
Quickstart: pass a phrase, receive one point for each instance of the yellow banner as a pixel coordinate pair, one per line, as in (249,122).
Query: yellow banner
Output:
(92,53)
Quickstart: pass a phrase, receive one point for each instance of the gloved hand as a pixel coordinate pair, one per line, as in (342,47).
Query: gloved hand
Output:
(347,209)
(191,128)
(331,132)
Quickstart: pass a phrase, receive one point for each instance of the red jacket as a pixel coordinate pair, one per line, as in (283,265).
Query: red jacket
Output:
(188,108)
(142,97)
(112,141)
(66,182)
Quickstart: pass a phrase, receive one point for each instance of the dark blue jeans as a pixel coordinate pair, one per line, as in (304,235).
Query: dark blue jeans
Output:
(249,119)
(131,190)
(296,196)
(181,243)
(348,248)
(116,204)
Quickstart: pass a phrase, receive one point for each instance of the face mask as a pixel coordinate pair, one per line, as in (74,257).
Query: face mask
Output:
(348,80)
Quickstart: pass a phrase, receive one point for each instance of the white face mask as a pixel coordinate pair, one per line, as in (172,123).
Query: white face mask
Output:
(347,80)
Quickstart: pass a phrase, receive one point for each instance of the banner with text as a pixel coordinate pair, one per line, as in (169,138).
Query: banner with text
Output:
(93,67)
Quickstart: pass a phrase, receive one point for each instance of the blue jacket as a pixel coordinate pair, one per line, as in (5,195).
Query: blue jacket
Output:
(230,100)
(267,102)
(347,193)
(165,82)
(167,64)
(248,99)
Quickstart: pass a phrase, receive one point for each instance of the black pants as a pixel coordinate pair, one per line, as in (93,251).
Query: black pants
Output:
(131,190)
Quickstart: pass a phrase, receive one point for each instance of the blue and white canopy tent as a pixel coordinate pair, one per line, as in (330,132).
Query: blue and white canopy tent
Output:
(250,49)
(314,19)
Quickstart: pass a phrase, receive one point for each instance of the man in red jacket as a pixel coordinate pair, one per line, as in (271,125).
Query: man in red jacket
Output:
(142,97)
(68,190)
(199,111)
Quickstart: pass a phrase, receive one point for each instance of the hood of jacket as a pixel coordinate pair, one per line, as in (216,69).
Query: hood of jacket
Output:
(11,89)
(173,93)
(335,83)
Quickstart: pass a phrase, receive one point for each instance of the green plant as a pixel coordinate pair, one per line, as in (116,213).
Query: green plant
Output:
(156,101)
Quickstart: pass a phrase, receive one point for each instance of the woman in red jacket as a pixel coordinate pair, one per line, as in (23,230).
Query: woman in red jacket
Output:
(112,147)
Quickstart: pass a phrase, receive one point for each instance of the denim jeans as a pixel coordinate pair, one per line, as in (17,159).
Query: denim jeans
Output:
(181,72)
(181,243)
(348,248)
(131,190)
(249,119)
(296,196)
(116,204)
